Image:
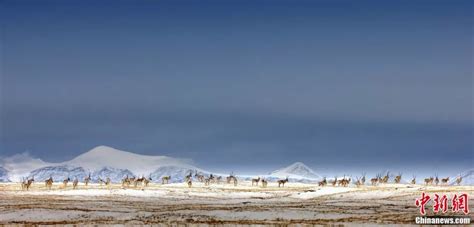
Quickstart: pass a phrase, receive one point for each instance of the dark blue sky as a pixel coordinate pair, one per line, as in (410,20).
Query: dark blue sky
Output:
(248,84)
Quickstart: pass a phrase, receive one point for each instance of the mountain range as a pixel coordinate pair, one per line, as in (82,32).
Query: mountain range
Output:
(103,161)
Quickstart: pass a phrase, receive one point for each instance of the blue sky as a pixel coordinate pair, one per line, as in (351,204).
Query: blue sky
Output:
(241,84)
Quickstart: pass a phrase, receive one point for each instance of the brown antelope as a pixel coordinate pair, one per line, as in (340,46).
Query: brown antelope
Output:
(49,183)
(429,181)
(218,179)
(139,181)
(282,182)
(87,179)
(255,180)
(362,180)
(334,182)
(147,181)
(344,182)
(108,182)
(375,180)
(165,179)
(385,178)
(444,181)
(199,176)
(413,181)
(232,178)
(436,180)
(65,181)
(459,180)
(207,181)
(212,178)
(188,177)
(75,183)
(323,183)
(398,178)
(264,183)
(341,181)
(358,182)
(26,184)
(126,182)
(190,182)
(101,182)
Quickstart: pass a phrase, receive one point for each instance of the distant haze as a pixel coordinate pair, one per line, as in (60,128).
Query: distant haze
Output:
(244,85)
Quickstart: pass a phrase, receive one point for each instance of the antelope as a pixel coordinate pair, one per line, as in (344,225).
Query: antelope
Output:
(282,182)
(207,181)
(429,180)
(147,181)
(413,181)
(126,182)
(188,177)
(341,181)
(398,178)
(49,183)
(27,183)
(75,183)
(255,180)
(232,178)
(87,179)
(375,180)
(323,183)
(385,178)
(358,182)
(218,179)
(459,180)
(101,182)
(444,181)
(362,180)
(165,179)
(212,178)
(436,180)
(65,181)
(334,182)
(190,182)
(139,181)
(264,183)
(344,182)
(200,177)
(107,182)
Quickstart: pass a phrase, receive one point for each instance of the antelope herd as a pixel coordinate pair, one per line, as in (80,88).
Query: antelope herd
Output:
(135,182)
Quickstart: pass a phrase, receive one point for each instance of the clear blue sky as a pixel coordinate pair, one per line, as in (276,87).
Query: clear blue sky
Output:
(241,84)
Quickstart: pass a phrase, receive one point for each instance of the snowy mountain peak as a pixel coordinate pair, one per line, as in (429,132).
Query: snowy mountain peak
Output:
(104,152)
(296,170)
(104,156)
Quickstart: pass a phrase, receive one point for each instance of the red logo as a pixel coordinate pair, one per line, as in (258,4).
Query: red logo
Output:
(440,203)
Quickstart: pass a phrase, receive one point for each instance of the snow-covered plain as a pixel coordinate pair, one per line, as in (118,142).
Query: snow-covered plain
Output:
(296,203)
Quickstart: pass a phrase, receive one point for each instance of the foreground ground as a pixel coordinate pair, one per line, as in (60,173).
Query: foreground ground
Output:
(217,204)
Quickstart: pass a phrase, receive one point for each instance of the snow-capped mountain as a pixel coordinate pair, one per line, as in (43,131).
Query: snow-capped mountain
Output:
(58,173)
(20,165)
(103,156)
(101,161)
(177,173)
(4,175)
(115,175)
(296,171)
(467,178)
